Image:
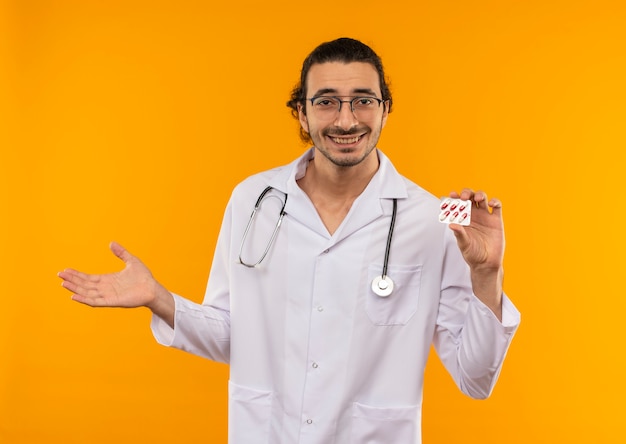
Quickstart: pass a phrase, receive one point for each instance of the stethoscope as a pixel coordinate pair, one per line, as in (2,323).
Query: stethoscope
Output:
(381,285)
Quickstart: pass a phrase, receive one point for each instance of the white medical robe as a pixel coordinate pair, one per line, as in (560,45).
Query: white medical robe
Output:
(315,356)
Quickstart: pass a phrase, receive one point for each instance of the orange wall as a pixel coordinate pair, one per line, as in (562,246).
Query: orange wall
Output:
(132,121)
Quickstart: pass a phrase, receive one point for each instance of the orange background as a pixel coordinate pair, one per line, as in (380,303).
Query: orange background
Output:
(133,120)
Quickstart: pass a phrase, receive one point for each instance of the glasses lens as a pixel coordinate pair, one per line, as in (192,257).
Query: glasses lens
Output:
(364,105)
(325,104)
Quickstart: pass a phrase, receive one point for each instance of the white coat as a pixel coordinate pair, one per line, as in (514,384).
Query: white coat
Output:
(315,356)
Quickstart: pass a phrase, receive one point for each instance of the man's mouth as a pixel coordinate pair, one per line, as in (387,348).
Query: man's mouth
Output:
(345,140)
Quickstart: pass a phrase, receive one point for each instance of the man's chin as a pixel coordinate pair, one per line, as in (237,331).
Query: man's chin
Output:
(348,157)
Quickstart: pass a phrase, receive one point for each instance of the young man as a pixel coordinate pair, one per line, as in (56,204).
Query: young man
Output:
(326,300)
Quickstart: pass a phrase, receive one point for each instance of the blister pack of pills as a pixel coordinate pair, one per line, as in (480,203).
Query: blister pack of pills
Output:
(455,211)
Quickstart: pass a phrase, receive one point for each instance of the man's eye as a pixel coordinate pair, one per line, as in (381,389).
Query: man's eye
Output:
(324,102)
(364,101)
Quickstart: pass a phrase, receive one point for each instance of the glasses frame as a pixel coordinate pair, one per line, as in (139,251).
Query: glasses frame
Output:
(341,102)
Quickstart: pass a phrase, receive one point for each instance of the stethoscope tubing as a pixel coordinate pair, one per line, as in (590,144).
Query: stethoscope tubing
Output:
(392,225)
(381,285)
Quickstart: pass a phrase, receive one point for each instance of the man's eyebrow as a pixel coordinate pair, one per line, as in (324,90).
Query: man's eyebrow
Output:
(321,92)
(366,91)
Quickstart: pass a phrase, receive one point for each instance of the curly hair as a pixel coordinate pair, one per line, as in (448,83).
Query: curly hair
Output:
(345,50)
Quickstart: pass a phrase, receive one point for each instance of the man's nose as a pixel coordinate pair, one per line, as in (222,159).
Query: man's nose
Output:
(345,117)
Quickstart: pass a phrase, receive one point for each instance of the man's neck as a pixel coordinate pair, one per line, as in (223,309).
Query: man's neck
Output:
(338,182)
(333,188)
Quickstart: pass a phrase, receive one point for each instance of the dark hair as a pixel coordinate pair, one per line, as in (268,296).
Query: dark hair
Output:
(344,50)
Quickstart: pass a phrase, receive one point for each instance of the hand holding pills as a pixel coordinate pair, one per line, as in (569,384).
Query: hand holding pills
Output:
(481,242)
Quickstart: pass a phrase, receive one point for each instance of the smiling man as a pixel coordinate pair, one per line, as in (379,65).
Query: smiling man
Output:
(326,300)
(345,135)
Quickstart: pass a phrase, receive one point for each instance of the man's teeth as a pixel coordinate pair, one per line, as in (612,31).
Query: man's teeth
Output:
(346,141)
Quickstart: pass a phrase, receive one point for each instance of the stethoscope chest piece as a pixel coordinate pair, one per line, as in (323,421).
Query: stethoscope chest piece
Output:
(382,286)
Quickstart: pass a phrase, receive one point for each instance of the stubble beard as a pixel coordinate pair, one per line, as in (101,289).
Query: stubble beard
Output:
(348,161)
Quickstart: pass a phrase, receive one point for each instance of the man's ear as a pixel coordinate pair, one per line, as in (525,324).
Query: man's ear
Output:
(302,118)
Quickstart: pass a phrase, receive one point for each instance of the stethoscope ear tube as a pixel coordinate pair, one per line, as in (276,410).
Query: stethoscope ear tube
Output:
(257,205)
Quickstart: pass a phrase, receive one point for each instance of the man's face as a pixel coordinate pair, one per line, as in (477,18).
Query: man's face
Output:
(345,138)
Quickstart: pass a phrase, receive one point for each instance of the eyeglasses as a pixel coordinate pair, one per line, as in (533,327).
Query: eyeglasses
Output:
(330,106)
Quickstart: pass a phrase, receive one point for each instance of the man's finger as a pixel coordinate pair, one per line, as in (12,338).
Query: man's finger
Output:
(480,199)
(496,206)
(74,276)
(460,234)
(120,252)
